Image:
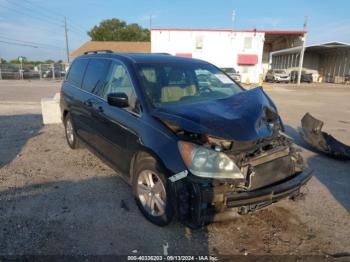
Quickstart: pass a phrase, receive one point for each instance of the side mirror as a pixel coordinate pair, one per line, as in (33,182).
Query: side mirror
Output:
(118,99)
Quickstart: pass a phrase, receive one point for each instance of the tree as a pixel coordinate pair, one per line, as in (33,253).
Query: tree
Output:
(14,61)
(118,30)
(49,61)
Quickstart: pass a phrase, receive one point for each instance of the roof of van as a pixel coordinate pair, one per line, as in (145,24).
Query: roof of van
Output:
(145,57)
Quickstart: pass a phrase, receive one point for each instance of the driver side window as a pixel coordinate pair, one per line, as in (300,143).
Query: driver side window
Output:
(118,81)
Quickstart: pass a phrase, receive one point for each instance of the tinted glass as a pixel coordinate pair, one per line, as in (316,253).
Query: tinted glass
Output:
(118,81)
(76,71)
(95,74)
(184,83)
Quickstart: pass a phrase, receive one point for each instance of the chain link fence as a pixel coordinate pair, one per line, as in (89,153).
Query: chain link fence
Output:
(54,71)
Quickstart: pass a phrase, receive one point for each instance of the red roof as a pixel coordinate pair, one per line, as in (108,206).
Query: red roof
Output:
(286,32)
(247,59)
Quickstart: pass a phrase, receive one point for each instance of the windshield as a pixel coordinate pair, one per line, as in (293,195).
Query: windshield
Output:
(182,83)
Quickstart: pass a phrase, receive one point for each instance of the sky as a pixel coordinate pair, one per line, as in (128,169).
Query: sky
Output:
(39,23)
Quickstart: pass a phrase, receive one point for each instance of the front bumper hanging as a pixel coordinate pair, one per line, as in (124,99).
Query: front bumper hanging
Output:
(199,205)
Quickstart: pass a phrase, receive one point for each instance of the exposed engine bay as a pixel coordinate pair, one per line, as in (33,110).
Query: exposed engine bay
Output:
(262,162)
(244,133)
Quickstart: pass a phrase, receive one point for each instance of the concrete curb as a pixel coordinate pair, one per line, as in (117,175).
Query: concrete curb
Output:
(50,108)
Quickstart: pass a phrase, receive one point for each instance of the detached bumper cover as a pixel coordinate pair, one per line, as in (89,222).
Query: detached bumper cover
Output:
(210,204)
(312,134)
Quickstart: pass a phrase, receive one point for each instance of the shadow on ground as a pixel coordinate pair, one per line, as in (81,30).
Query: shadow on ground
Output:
(85,217)
(15,131)
(333,173)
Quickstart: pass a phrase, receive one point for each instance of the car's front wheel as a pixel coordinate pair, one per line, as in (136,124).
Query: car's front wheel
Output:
(153,193)
(70,132)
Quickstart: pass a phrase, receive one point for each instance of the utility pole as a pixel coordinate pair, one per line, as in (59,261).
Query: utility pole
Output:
(301,60)
(150,23)
(1,66)
(66,34)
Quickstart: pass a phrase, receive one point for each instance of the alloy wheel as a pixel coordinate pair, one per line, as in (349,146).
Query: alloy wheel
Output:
(69,132)
(151,192)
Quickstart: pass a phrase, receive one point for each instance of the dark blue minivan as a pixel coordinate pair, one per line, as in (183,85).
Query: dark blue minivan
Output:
(190,141)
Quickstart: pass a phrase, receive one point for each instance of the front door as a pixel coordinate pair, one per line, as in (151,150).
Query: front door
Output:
(114,123)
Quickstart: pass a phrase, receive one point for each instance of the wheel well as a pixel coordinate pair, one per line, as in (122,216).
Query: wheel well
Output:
(65,113)
(137,157)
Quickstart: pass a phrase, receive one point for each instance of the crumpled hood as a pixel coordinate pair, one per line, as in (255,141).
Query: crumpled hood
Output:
(242,117)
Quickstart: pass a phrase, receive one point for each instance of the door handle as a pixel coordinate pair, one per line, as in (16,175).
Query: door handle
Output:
(100,109)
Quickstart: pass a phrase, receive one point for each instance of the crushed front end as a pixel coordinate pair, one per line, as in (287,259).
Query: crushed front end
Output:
(236,155)
(272,170)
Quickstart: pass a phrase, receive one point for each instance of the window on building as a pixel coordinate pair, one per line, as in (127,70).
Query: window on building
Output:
(248,42)
(199,42)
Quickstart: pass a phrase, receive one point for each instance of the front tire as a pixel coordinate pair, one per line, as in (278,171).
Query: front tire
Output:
(70,132)
(153,192)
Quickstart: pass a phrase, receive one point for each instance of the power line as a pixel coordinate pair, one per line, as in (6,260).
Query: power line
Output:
(12,43)
(75,25)
(33,10)
(39,17)
(31,16)
(28,42)
(44,8)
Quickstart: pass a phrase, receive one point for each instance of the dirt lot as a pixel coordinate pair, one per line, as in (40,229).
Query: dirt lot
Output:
(57,201)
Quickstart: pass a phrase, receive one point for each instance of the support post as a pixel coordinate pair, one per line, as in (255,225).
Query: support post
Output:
(53,71)
(301,60)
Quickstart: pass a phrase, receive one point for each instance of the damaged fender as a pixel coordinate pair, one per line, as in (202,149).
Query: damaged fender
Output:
(312,134)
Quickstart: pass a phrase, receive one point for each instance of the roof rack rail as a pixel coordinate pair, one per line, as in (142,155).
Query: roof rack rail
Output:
(161,53)
(97,51)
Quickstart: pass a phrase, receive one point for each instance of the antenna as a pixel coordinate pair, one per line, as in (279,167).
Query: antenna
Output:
(233,19)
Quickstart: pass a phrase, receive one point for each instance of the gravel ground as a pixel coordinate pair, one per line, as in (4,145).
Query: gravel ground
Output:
(54,200)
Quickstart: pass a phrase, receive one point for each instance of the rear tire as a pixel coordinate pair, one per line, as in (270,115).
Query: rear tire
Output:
(153,192)
(70,132)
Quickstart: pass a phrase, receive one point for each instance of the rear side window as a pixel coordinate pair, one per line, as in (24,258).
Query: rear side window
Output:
(76,71)
(95,74)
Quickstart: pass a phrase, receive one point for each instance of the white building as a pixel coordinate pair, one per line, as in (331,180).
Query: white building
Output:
(246,50)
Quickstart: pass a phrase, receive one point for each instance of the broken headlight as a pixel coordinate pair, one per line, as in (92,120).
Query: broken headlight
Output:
(205,162)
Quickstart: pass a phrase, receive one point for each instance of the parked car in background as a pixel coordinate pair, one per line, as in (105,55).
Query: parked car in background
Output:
(59,73)
(9,71)
(232,73)
(277,75)
(185,142)
(305,77)
(29,73)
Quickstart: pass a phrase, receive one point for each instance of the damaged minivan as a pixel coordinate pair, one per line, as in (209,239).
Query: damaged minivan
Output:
(190,141)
